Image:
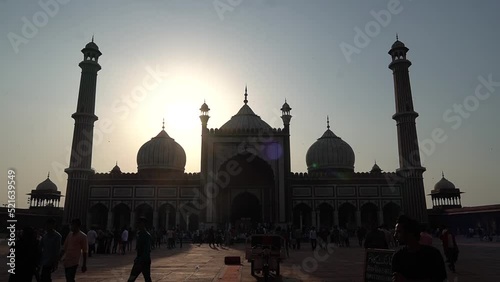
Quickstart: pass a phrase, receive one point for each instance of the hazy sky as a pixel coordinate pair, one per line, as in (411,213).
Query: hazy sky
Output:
(280,49)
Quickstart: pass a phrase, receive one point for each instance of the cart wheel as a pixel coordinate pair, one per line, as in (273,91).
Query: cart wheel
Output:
(252,270)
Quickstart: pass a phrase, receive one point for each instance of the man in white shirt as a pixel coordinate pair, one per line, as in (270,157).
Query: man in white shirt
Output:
(124,239)
(91,238)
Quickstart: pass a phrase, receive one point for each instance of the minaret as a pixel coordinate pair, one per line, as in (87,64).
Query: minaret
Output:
(79,170)
(204,117)
(409,155)
(286,117)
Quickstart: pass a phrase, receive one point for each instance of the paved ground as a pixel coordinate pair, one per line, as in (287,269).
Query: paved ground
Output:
(478,262)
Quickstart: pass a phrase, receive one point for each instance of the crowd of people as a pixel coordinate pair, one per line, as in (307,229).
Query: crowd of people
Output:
(39,252)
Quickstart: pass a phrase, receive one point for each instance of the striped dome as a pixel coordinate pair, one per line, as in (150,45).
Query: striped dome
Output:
(330,153)
(161,152)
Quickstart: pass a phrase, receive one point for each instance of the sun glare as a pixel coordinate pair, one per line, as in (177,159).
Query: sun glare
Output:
(177,101)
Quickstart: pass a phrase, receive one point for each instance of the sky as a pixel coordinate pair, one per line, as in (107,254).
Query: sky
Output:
(324,57)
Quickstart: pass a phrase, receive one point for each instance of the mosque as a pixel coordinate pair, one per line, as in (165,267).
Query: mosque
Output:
(245,174)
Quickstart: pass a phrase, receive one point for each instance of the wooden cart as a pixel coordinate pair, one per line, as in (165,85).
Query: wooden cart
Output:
(265,253)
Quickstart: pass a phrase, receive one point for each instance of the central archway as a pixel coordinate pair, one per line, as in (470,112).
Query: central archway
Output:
(246,189)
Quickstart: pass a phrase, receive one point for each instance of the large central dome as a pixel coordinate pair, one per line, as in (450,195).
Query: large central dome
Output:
(330,153)
(246,119)
(161,153)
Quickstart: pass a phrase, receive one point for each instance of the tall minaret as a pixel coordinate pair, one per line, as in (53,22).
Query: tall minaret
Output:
(286,117)
(80,162)
(204,117)
(410,168)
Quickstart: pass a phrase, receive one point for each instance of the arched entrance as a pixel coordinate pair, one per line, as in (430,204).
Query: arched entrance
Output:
(246,206)
(369,215)
(144,210)
(236,177)
(98,216)
(121,216)
(347,216)
(325,216)
(391,213)
(302,216)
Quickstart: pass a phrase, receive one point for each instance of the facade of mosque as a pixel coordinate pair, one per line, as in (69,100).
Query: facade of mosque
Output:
(245,176)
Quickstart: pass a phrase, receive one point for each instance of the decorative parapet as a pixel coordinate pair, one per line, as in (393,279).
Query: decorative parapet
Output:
(344,175)
(246,131)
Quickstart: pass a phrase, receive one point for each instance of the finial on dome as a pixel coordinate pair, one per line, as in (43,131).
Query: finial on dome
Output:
(48,174)
(116,163)
(375,161)
(397,37)
(163,124)
(442,174)
(92,38)
(246,94)
(327,122)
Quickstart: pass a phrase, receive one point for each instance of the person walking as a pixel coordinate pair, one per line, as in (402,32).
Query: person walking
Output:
(91,238)
(313,236)
(361,234)
(142,262)
(75,246)
(450,247)
(50,246)
(298,237)
(124,240)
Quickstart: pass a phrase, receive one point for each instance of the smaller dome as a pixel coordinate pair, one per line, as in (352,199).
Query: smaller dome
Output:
(92,45)
(46,185)
(376,169)
(398,44)
(204,107)
(116,169)
(286,107)
(444,184)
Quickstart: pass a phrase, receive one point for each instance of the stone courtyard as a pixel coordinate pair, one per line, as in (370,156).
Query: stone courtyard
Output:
(478,261)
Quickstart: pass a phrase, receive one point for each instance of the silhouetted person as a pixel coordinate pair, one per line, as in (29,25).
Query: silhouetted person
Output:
(361,234)
(75,245)
(298,237)
(415,262)
(313,236)
(116,240)
(142,262)
(450,247)
(50,246)
(425,237)
(27,256)
(124,238)
(91,238)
